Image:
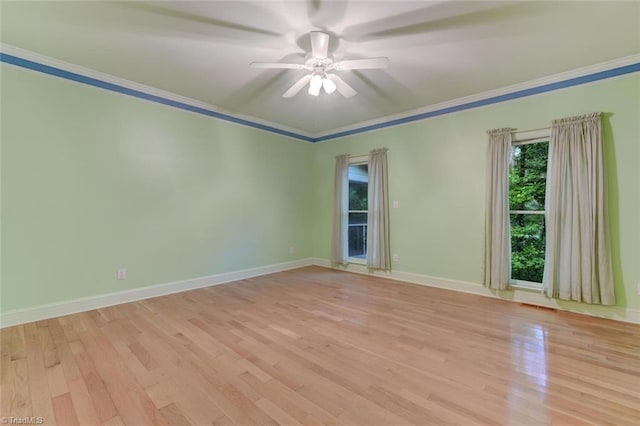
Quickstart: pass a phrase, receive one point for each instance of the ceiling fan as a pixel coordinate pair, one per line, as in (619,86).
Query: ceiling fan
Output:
(321,68)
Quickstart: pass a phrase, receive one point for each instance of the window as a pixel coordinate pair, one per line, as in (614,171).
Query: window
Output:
(358,208)
(527,192)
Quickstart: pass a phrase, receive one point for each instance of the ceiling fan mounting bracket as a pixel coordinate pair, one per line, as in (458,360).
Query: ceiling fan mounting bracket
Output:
(319,69)
(319,66)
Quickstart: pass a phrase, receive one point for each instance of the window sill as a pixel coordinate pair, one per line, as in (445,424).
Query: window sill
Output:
(532,288)
(357,261)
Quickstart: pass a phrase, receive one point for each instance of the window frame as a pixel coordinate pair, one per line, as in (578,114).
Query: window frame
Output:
(355,161)
(527,138)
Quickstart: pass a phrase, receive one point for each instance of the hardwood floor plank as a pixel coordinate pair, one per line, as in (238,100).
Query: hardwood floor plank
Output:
(133,404)
(293,403)
(174,416)
(57,381)
(49,349)
(38,381)
(159,395)
(364,412)
(18,343)
(114,421)
(315,346)
(64,410)
(244,411)
(143,356)
(179,376)
(20,402)
(276,412)
(84,408)
(102,402)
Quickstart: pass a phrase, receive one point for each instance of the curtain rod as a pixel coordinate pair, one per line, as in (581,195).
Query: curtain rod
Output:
(530,130)
(366,154)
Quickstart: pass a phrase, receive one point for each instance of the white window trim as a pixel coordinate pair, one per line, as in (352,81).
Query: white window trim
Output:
(356,160)
(525,285)
(528,141)
(530,135)
(525,138)
(359,159)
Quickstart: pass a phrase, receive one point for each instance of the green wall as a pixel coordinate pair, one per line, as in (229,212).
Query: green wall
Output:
(93,181)
(437,174)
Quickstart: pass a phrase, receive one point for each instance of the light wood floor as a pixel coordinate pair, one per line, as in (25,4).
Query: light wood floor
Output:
(316,346)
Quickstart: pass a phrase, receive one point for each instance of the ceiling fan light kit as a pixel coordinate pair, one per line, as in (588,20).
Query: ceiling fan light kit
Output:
(315,84)
(328,86)
(321,67)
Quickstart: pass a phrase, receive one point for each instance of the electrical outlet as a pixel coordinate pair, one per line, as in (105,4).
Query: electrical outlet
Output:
(292,249)
(638,288)
(395,204)
(395,258)
(121,274)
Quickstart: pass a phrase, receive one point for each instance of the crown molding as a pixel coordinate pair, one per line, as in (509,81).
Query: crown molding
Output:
(605,70)
(48,65)
(45,64)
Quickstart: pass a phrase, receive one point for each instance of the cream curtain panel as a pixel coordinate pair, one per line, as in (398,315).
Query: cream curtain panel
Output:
(578,259)
(378,250)
(339,249)
(497,246)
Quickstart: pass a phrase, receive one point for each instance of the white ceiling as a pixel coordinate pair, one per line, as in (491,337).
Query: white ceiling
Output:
(439,51)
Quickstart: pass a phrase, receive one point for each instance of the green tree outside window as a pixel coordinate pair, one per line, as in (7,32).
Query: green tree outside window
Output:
(527,188)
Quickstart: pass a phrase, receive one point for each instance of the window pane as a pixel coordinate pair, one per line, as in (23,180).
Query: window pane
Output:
(358,235)
(528,235)
(358,181)
(528,176)
(358,187)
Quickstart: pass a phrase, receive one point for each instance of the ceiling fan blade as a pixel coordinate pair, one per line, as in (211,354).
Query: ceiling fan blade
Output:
(319,44)
(177,14)
(344,89)
(446,18)
(362,64)
(278,65)
(298,85)
(418,21)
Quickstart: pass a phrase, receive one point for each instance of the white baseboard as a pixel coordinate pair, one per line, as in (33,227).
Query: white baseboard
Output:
(51,310)
(521,296)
